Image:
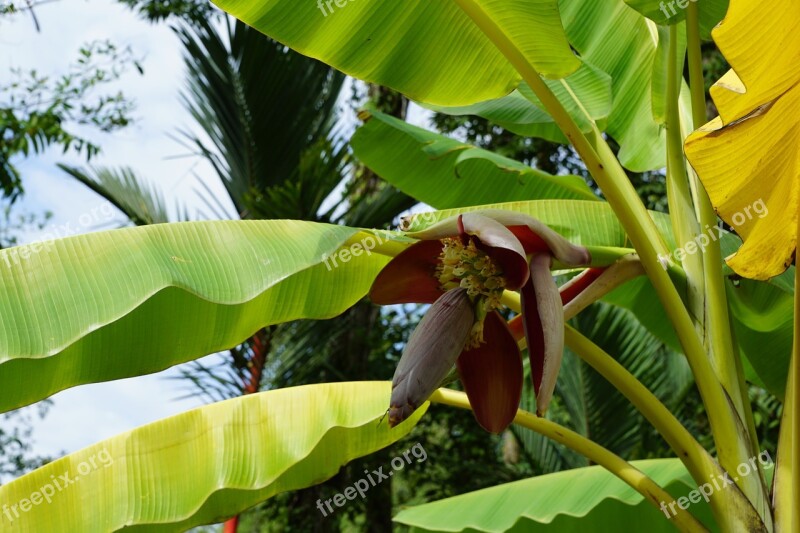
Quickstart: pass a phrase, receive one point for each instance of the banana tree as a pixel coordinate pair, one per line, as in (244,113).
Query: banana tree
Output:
(133,301)
(293,162)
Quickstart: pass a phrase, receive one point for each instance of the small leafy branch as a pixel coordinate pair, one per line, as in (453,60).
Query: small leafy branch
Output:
(38,111)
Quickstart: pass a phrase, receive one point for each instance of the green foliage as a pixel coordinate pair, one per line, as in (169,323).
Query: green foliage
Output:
(16,429)
(38,111)
(191,11)
(552,503)
(541,154)
(459,174)
(400,37)
(235,453)
(196,288)
(140,203)
(276,161)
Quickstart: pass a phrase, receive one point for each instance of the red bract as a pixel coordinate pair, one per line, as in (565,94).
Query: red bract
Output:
(543,317)
(462,265)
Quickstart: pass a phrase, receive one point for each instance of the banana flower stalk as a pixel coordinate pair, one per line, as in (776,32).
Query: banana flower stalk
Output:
(462,266)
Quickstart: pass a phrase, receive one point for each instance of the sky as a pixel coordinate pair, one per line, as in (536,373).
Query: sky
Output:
(87,414)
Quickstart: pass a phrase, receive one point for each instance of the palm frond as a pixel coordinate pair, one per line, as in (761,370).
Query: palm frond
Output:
(261,106)
(612,419)
(127,192)
(590,405)
(320,170)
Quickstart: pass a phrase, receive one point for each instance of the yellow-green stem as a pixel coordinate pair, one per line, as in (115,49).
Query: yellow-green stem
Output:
(696,82)
(729,508)
(634,477)
(681,207)
(718,337)
(787,470)
(718,329)
(612,179)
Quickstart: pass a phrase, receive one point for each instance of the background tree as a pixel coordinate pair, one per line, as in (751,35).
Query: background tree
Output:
(16,449)
(38,111)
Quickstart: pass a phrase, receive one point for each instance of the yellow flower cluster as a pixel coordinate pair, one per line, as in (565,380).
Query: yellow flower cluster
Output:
(468,267)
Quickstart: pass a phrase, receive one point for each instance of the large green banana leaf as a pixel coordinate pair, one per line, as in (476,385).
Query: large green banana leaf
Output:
(584,222)
(614,39)
(762,314)
(586,95)
(432,52)
(207,464)
(129,302)
(447,173)
(429,50)
(583,500)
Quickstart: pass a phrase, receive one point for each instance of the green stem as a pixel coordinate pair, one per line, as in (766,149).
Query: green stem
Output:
(681,207)
(720,339)
(787,469)
(696,82)
(732,508)
(718,336)
(625,471)
(718,330)
(612,179)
